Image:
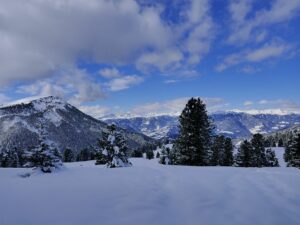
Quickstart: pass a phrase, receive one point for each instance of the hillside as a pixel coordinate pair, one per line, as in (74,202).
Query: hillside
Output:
(65,126)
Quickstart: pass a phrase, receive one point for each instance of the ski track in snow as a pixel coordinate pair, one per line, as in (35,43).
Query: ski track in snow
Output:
(150,193)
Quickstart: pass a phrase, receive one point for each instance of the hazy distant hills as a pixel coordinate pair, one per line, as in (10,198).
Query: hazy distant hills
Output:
(232,124)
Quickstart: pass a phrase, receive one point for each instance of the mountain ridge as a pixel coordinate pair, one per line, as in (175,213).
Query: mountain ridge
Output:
(65,125)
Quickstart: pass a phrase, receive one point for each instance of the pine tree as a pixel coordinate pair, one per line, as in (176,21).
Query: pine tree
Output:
(280,143)
(84,155)
(44,156)
(228,153)
(157,155)
(193,144)
(243,156)
(259,154)
(218,151)
(292,152)
(101,159)
(14,159)
(4,159)
(272,161)
(68,155)
(137,154)
(166,156)
(149,154)
(114,147)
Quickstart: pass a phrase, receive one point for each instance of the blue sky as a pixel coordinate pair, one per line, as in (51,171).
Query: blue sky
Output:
(145,56)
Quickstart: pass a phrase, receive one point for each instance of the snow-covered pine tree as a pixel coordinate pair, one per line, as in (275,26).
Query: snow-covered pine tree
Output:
(243,157)
(14,159)
(193,144)
(68,155)
(228,152)
(4,159)
(44,156)
(101,159)
(259,153)
(10,158)
(114,147)
(166,156)
(271,159)
(292,152)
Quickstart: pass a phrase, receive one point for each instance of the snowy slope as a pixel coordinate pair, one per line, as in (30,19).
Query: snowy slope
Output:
(149,193)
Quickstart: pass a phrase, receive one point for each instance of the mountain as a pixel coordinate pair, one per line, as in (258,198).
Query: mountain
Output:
(65,126)
(231,124)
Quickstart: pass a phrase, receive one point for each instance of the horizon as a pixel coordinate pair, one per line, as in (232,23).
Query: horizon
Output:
(240,56)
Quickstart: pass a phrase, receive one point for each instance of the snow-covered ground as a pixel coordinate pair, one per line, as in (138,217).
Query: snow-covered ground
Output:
(149,193)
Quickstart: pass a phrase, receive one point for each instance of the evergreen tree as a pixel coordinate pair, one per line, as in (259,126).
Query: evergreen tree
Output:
(10,158)
(149,154)
(272,161)
(14,159)
(114,147)
(259,154)
(137,154)
(280,143)
(243,156)
(84,155)
(4,159)
(193,144)
(218,151)
(228,153)
(292,152)
(157,155)
(101,159)
(44,156)
(68,155)
(166,156)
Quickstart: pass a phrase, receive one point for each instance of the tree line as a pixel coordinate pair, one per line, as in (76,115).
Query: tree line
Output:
(196,145)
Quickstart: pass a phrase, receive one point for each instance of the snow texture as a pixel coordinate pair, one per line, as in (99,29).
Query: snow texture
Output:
(150,193)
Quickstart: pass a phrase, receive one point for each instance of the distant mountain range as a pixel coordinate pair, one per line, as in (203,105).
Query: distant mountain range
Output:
(232,124)
(65,126)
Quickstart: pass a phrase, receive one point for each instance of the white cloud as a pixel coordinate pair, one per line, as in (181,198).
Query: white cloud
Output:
(175,106)
(96,111)
(124,82)
(164,60)
(248,103)
(248,28)
(74,85)
(110,73)
(39,37)
(266,52)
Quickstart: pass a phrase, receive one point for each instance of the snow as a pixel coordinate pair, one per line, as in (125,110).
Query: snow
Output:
(225,132)
(43,104)
(257,129)
(53,117)
(150,193)
(10,124)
